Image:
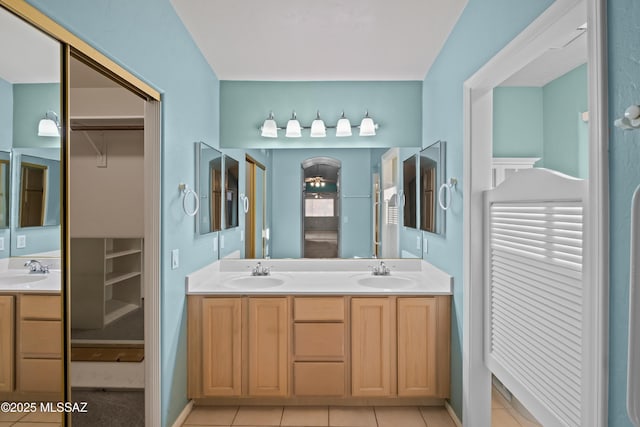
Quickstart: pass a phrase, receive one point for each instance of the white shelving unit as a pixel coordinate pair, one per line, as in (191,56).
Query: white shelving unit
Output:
(503,167)
(106,280)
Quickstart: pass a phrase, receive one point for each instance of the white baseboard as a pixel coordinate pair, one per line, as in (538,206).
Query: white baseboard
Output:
(453,415)
(183,415)
(119,375)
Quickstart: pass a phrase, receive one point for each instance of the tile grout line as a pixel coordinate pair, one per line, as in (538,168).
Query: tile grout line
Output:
(233,420)
(375,415)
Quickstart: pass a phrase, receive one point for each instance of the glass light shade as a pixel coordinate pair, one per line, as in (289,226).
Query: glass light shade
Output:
(367,127)
(318,129)
(269,129)
(293,129)
(343,128)
(48,127)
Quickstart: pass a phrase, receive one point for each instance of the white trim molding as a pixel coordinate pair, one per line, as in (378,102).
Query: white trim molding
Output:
(183,414)
(478,144)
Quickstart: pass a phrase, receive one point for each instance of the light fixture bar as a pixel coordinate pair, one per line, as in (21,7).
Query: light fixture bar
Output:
(318,128)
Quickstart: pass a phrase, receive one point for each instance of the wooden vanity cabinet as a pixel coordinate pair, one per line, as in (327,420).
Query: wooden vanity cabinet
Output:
(268,346)
(7,327)
(319,348)
(39,364)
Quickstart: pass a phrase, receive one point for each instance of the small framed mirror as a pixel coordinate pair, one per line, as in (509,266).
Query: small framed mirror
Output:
(231,176)
(432,176)
(209,185)
(409,191)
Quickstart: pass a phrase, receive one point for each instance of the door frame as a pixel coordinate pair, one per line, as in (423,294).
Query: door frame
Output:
(478,124)
(251,194)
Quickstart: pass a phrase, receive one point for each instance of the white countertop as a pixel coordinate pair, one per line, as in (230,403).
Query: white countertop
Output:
(322,276)
(15,277)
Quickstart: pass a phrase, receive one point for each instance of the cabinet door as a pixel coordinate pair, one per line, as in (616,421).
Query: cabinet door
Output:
(221,346)
(268,346)
(416,346)
(370,347)
(6,343)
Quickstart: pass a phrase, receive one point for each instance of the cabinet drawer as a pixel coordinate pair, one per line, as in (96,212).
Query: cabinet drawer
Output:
(40,338)
(318,340)
(319,309)
(40,375)
(44,307)
(318,378)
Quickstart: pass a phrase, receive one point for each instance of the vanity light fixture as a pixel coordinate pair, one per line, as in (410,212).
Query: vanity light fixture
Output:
(318,128)
(269,128)
(293,127)
(49,126)
(631,118)
(343,128)
(367,127)
(317,182)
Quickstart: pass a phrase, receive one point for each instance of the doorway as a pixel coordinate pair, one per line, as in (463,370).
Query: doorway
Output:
(390,233)
(108,237)
(321,207)
(255,209)
(478,110)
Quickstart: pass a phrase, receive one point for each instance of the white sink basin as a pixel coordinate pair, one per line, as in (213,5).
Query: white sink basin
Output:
(20,279)
(386,282)
(254,282)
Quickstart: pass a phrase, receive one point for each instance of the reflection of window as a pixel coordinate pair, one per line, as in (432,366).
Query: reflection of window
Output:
(318,207)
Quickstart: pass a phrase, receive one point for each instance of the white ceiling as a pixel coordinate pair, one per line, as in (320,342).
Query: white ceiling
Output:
(28,55)
(308,40)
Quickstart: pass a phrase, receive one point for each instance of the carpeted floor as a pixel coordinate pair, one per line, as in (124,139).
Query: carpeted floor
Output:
(109,408)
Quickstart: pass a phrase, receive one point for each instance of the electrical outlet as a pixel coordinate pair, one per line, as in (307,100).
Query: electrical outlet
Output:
(346,219)
(21,241)
(242,235)
(221,242)
(175,259)
(417,242)
(215,244)
(1,243)
(425,245)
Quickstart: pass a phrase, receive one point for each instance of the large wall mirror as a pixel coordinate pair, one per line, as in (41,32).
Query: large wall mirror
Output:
(31,356)
(432,176)
(209,185)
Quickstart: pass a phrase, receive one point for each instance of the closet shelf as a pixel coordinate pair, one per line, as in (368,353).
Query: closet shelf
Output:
(116,254)
(113,278)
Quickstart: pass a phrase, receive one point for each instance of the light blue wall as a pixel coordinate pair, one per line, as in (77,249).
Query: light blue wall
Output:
(395,106)
(148,38)
(6,115)
(484,28)
(355,198)
(563,101)
(30,103)
(624,177)
(517,122)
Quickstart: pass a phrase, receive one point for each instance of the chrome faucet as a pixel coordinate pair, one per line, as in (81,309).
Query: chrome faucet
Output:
(36,266)
(260,270)
(380,270)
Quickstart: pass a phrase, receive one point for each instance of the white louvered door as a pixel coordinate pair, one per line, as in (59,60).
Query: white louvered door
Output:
(534,292)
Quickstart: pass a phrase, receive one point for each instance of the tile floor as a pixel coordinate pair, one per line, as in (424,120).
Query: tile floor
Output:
(35,419)
(503,415)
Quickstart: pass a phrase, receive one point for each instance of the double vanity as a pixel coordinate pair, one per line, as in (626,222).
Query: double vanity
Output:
(357,331)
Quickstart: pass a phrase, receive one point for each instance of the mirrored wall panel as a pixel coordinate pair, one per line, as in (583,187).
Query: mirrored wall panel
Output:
(31,339)
(432,177)
(209,184)
(231,186)
(409,183)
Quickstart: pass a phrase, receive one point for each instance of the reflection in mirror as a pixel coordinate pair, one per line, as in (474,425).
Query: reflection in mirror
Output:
(432,176)
(31,341)
(209,176)
(231,174)
(409,179)
(4,189)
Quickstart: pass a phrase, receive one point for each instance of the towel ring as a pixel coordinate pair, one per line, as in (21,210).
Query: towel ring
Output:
(446,187)
(186,192)
(245,203)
